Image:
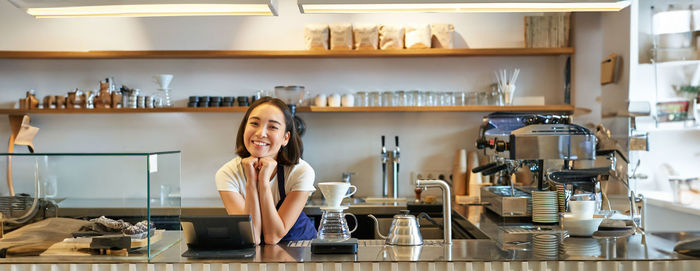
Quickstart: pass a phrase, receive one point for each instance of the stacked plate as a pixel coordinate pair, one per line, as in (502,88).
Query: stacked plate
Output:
(544,207)
(582,247)
(545,246)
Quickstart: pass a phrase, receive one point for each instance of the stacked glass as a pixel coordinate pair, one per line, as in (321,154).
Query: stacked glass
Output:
(419,98)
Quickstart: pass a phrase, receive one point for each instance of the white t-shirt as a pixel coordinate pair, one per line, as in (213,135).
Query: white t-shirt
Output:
(300,177)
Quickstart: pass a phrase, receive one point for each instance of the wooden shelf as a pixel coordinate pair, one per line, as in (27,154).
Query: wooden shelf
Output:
(309,109)
(285,54)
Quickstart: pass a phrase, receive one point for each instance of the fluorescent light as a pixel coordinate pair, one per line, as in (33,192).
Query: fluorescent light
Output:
(399,6)
(143,8)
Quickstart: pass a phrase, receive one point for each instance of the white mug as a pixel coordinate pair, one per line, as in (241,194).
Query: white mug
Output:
(334,192)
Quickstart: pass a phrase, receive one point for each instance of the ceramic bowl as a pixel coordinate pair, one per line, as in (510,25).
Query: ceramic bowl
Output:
(581,227)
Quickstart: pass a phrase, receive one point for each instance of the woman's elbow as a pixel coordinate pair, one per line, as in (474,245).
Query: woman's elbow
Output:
(272,239)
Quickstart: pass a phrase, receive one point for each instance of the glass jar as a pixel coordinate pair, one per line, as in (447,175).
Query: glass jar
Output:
(387,98)
(411,98)
(401,98)
(460,98)
(418,98)
(446,98)
(361,98)
(495,97)
(434,98)
(483,98)
(375,99)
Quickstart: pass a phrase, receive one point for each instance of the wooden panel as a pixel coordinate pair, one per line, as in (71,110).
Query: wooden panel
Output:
(285,54)
(312,109)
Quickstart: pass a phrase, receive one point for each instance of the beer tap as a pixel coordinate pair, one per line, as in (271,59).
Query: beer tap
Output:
(385,181)
(395,159)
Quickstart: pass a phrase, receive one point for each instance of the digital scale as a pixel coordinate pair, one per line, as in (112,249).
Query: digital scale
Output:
(348,246)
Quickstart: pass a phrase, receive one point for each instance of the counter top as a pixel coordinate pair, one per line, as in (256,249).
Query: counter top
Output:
(502,247)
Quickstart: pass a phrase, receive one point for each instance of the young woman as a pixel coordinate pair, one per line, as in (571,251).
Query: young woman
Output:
(268,180)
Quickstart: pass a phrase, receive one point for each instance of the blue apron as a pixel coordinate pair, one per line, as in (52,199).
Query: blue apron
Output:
(303,229)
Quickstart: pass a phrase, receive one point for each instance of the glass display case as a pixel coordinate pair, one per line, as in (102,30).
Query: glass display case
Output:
(111,205)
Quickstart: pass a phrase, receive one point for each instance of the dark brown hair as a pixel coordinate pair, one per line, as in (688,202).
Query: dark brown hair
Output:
(288,155)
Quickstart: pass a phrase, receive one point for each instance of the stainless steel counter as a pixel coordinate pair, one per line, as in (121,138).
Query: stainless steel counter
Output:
(501,247)
(460,251)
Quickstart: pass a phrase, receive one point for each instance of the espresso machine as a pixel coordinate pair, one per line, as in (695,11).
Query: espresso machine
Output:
(554,150)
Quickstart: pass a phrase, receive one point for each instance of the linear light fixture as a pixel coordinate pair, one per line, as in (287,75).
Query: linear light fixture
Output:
(144,8)
(406,6)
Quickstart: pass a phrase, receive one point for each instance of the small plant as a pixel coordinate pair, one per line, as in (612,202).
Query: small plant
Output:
(690,89)
(687,91)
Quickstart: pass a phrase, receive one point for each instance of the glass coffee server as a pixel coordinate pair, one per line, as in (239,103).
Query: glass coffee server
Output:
(107,206)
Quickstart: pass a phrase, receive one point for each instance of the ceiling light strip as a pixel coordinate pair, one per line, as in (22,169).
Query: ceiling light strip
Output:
(464,7)
(140,8)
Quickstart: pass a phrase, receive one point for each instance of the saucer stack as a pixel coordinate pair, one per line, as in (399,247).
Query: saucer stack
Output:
(581,247)
(545,246)
(544,207)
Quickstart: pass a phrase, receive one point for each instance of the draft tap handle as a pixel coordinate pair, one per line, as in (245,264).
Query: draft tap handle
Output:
(383,142)
(396,138)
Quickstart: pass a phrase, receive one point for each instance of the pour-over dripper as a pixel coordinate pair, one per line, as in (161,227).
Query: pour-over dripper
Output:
(163,80)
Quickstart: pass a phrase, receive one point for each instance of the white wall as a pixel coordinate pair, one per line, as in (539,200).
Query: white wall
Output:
(335,142)
(669,143)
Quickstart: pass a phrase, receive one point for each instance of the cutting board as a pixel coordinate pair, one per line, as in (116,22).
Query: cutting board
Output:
(79,246)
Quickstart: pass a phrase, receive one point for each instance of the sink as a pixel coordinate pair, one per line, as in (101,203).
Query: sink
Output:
(384,200)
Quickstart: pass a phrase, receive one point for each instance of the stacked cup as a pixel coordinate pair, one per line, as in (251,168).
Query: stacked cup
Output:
(544,207)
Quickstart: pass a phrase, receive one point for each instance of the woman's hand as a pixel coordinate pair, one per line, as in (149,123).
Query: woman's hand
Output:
(266,167)
(251,169)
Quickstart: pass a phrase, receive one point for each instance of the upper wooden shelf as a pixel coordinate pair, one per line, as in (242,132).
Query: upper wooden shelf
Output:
(285,54)
(459,108)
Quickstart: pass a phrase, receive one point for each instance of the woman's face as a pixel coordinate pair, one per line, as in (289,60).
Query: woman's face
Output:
(265,132)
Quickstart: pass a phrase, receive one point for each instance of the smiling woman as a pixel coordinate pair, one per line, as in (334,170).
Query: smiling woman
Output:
(268,180)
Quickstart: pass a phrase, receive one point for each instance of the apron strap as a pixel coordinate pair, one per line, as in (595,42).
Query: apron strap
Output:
(280,184)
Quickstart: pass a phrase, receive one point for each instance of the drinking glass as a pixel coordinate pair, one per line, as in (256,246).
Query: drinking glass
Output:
(459,98)
(472,98)
(401,97)
(387,98)
(483,98)
(495,97)
(411,98)
(419,98)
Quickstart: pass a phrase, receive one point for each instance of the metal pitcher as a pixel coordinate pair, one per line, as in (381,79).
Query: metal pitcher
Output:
(404,230)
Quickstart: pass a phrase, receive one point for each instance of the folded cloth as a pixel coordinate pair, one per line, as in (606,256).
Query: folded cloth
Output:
(35,238)
(103,225)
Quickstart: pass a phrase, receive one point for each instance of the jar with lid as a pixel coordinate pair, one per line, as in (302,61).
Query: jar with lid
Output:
(361,98)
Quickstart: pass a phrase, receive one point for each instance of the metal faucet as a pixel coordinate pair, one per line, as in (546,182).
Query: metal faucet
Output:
(347,176)
(446,206)
(390,190)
